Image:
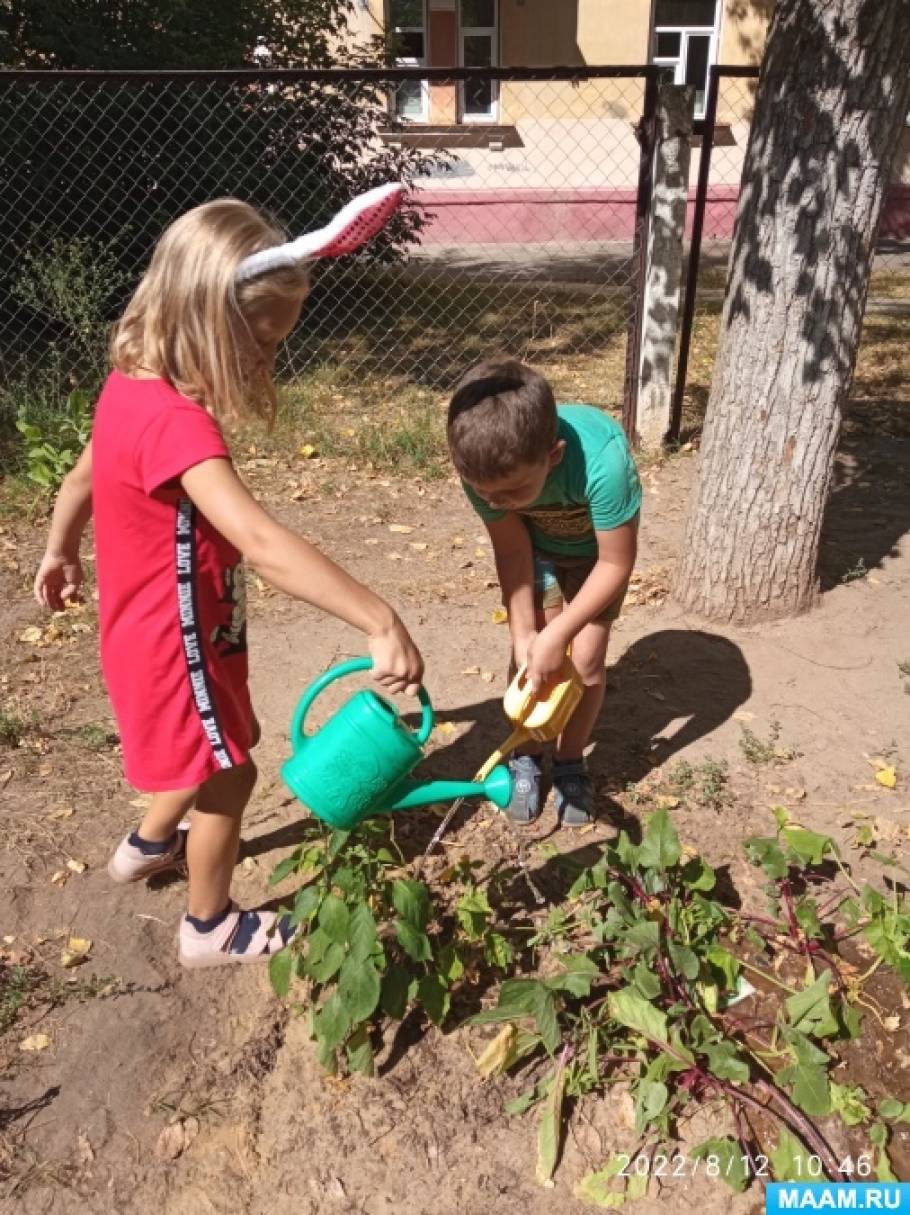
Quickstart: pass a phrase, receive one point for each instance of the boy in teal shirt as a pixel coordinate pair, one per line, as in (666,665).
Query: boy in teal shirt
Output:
(558,492)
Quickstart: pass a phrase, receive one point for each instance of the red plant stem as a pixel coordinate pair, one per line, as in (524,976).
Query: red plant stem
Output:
(791,913)
(786,1110)
(742,1134)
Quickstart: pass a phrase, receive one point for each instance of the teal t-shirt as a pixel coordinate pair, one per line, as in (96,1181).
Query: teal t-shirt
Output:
(594,488)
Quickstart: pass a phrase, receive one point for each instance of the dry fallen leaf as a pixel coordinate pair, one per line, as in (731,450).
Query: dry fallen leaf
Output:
(75,866)
(176,1138)
(31,635)
(59,877)
(308,451)
(445,727)
(35,1042)
(665,802)
(499,615)
(887,777)
(493,1057)
(457,542)
(76,952)
(891,1024)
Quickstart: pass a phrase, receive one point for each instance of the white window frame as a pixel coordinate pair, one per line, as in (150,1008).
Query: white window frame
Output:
(411,61)
(491,31)
(678,63)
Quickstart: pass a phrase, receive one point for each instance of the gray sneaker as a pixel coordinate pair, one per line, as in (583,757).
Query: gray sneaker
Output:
(525,804)
(573,793)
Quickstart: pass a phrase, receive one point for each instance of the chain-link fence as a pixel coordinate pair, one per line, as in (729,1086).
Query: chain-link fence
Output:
(717,165)
(519,235)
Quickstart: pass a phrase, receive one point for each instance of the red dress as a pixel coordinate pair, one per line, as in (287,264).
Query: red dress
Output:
(171,591)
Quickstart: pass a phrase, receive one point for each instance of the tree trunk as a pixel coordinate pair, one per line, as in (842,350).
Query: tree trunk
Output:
(832,99)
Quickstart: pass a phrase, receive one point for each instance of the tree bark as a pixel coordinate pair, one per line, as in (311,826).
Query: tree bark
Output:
(832,99)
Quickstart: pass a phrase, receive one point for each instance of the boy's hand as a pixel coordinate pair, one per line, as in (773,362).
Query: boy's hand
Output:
(397,662)
(520,647)
(544,657)
(59,579)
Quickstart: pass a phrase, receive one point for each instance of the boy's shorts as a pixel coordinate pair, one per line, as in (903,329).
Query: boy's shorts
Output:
(558,579)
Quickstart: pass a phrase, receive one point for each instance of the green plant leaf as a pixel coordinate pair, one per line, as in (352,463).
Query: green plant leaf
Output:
(578,974)
(724,1062)
(645,935)
(685,960)
(332,1022)
(724,966)
(729,1156)
(879,1135)
(525,998)
(473,911)
(808,1077)
(281,967)
(359,1051)
(433,995)
(651,1098)
(849,1100)
(789,1160)
(334,918)
(520,1105)
(358,988)
(283,868)
(362,936)
(768,854)
(808,845)
(809,1011)
(894,1110)
(305,904)
(660,847)
(411,900)
(415,943)
(394,995)
(632,1010)
(698,875)
(550,1126)
(497,951)
(327,966)
(646,982)
(449,965)
(596,1187)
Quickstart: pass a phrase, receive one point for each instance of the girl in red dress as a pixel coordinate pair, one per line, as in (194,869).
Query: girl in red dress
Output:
(173,524)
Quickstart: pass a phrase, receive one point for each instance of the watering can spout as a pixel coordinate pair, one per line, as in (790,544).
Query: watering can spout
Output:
(497,788)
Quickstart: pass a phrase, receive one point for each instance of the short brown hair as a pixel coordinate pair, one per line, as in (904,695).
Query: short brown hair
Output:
(502,415)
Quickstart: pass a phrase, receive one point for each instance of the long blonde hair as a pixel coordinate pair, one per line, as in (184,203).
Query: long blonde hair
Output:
(189,323)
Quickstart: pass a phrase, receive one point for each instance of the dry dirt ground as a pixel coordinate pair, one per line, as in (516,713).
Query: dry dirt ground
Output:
(200,1092)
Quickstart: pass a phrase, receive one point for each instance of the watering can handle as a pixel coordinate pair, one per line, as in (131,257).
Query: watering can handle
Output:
(352,667)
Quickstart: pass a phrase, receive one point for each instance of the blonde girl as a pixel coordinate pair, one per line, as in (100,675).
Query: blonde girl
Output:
(173,524)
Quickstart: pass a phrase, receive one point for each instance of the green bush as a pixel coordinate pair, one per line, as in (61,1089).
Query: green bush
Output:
(52,449)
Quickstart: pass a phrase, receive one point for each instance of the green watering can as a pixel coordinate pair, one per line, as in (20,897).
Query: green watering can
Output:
(358,764)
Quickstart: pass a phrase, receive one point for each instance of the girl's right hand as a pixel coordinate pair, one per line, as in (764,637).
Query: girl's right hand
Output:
(58,580)
(397,662)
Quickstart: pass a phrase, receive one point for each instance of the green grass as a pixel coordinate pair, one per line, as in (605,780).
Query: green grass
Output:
(705,784)
(396,429)
(759,751)
(14,726)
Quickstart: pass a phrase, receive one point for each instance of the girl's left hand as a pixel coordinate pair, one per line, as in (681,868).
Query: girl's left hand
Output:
(58,580)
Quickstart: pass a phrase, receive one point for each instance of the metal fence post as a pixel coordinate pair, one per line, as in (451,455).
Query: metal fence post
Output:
(698,224)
